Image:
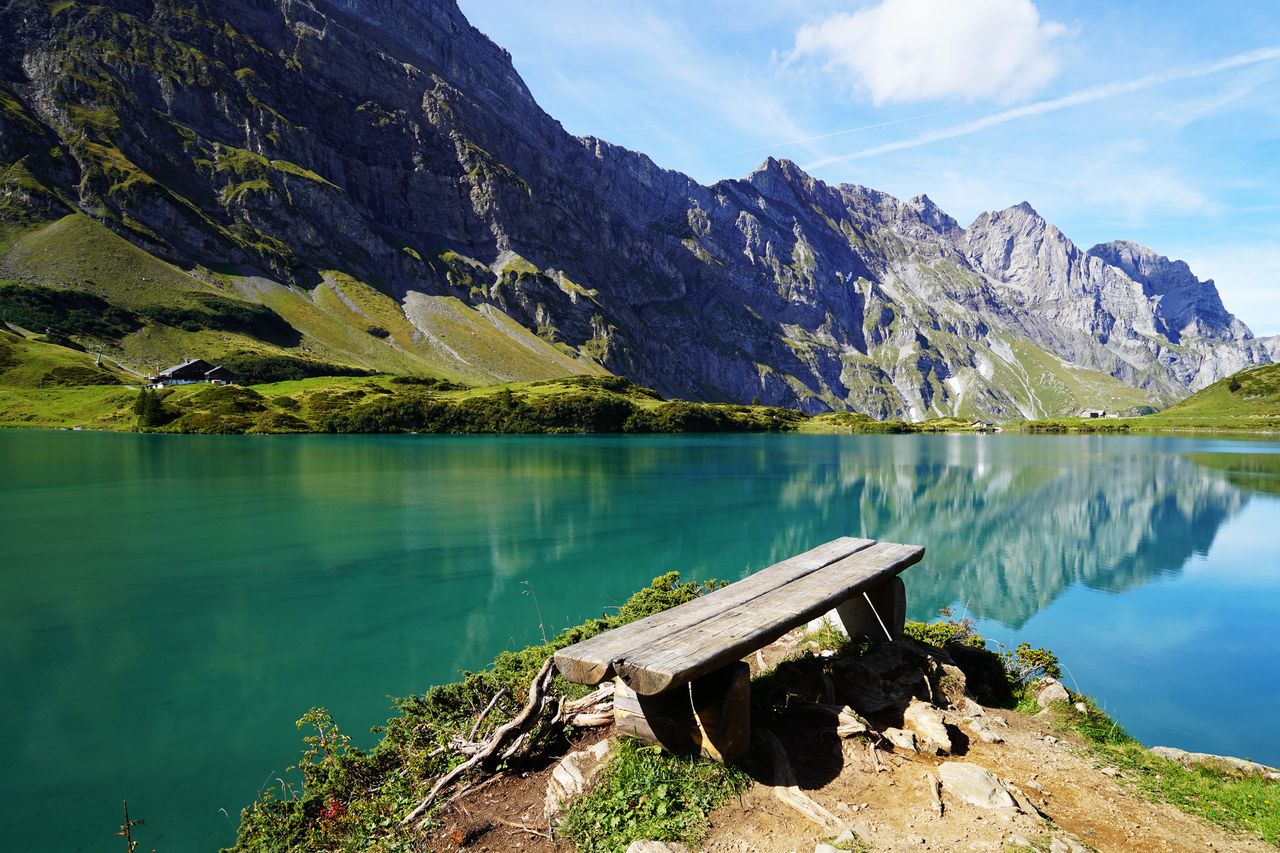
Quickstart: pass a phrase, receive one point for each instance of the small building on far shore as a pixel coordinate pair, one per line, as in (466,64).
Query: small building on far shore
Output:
(191,371)
(1093,413)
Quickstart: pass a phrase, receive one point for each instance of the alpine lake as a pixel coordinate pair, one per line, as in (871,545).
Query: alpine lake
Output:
(173,604)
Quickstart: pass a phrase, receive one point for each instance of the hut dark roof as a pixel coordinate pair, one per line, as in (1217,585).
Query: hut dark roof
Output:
(192,368)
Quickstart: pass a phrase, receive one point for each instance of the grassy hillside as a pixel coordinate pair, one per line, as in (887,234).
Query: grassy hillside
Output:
(161,313)
(1248,401)
(46,385)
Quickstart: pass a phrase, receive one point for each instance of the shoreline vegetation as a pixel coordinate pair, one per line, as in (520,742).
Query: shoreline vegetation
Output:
(341,797)
(47,384)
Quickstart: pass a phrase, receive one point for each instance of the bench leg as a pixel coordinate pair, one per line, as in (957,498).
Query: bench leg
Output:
(710,715)
(858,621)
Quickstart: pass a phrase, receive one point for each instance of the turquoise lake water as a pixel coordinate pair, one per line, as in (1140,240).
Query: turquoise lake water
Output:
(172,604)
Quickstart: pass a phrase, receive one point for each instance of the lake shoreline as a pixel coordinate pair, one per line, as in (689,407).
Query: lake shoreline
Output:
(996,710)
(573,405)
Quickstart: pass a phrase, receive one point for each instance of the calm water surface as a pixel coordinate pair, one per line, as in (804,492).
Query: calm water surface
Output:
(172,604)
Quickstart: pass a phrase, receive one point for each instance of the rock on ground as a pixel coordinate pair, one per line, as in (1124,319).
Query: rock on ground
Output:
(1222,763)
(1050,690)
(574,774)
(926,721)
(975,785)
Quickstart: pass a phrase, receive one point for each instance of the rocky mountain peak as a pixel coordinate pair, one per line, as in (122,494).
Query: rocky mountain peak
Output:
(1186,305)
(935,217)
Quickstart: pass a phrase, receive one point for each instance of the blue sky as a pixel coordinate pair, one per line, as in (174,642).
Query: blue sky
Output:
(1154,122)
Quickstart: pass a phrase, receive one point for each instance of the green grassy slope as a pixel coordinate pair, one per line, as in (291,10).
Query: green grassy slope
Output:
(1248,400)
(51,386)
(341,321)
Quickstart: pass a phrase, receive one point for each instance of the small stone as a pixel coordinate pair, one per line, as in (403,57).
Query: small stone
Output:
(1018,841)
(657,847)
(986,734)
(901,739)
(1110,771)
(846,837)
(825,848)
(1082,708)
(1066,844)
(1050,739)
(849,724)
(1038,788)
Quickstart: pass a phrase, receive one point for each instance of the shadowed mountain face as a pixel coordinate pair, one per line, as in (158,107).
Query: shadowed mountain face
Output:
(257,144)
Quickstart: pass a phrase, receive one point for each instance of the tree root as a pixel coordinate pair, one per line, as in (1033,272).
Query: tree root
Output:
(504,741)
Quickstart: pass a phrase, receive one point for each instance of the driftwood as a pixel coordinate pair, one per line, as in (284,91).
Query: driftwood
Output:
(505,737)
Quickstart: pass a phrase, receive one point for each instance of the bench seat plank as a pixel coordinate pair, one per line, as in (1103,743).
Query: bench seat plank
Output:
(729,633)
(592,660)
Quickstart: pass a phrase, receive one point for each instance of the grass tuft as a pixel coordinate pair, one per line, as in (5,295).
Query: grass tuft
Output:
(645,793)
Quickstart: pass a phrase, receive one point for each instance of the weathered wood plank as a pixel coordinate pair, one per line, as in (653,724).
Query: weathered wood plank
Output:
(731,632)
(591,661)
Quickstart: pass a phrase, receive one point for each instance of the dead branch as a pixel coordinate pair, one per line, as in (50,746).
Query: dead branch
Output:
(599,697)
(591,720)
(875,758)
(522,827)
(497,742)
(487,708)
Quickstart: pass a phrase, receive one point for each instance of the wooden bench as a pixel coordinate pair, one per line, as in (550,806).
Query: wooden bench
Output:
(680,677)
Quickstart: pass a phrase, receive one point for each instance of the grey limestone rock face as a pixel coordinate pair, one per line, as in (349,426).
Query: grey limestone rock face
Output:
(396,143)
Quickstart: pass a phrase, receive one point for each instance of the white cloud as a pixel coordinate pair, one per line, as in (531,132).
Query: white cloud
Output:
(1075,99)
(915,50)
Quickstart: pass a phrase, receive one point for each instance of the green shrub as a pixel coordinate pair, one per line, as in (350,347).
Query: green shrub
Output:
(431,383)
(64,312)
(227,315)
(254,369)
(228,400)
(76,376)
(644,793)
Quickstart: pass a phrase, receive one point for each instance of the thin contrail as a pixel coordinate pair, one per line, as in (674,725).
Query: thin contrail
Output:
(1084,96)
(773,145)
